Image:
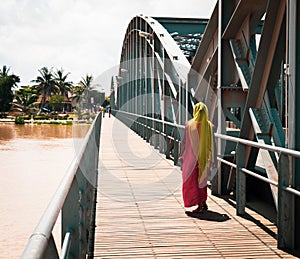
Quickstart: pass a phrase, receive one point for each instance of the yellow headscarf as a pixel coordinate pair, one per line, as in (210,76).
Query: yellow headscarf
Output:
(202,143)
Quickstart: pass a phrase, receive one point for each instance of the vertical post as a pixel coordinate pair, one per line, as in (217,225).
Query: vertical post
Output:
(152,72)
(293,109)
(136,71)
(146,93)
(240,181)
(225,10)
(176,145)
(183,103)
(167,140)
(286,209)
(70,218)
(163,107)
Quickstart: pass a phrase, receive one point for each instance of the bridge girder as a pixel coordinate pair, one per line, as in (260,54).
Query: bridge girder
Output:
(244,68)
(153,69)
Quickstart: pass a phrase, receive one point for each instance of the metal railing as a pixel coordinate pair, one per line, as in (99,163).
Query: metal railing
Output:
(75,198)
(136,125)
(147,127)
(280,150)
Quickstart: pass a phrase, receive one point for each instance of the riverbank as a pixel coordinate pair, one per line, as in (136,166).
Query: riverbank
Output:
(55,118)
(48,121)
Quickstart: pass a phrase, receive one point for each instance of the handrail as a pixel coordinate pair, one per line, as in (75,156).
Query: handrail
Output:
(40,236)
(153,119)
(286,151)
(279,150)
(39,240)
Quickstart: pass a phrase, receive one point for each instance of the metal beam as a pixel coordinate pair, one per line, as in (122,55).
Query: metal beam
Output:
(294,114)
(274,17)
(244,9)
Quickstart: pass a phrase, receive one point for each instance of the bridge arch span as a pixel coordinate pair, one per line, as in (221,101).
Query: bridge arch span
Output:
(154,64)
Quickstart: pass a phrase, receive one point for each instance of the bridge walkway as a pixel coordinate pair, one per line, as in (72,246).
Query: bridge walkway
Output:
(140,212)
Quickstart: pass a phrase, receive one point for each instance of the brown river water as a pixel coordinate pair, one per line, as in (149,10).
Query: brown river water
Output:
(33,160)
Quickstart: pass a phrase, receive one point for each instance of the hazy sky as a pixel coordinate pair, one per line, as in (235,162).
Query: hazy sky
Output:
(80,36)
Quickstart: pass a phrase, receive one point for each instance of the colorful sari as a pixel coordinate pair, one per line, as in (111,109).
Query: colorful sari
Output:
(197,157)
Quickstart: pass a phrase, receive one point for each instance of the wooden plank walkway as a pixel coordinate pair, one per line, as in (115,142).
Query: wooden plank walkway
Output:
(140,212)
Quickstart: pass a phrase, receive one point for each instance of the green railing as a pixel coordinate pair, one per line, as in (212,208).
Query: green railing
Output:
(75,199)
(149,127)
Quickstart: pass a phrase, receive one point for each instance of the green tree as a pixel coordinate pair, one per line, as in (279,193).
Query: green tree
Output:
(86,84)
(4,71)
(7,83)
(62,83)
(77,92)
(56,102)
(25,99)
(45,84)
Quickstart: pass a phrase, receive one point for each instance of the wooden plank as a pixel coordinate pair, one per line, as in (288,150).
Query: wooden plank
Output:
(140,213)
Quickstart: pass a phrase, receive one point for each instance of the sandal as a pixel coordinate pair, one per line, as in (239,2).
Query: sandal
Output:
(201,208)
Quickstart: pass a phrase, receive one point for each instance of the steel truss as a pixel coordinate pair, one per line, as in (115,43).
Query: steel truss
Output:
(242,63)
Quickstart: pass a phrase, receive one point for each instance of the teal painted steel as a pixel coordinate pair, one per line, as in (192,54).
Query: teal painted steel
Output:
(187,32)
(293,109)
(183,25)
(74,197)
(286,210)
(239,66)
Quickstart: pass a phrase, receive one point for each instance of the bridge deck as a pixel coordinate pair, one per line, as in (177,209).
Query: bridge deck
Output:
(140,213)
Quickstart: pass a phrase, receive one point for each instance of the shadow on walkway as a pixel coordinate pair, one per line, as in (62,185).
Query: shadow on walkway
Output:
(209,216)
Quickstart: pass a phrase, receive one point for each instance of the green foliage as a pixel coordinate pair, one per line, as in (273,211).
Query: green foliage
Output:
(77,92)
(45,84)
(86,84)
(78,112)
(19,120)
(56,102)
(53,88)
(57,122)
(25,99)
(7,83)
(62,83)
(68,123)
(3,115)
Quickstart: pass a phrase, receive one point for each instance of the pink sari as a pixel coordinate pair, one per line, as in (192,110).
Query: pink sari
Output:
(193,192)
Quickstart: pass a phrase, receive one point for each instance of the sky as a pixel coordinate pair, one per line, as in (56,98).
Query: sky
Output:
(80,36)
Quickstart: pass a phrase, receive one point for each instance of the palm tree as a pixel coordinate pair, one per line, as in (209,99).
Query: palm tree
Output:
(62,83)
(7,83)
(77,92)
(25,99)
(45,84)
(4,71)
(86,84)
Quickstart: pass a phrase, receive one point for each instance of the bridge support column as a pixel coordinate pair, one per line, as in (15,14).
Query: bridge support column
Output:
(226,8)
(286,208)
(291,240)
(240,181)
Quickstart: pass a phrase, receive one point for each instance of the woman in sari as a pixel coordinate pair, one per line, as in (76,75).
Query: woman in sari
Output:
(197,158)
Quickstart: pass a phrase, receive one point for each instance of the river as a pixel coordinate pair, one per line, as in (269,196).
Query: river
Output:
(33,160)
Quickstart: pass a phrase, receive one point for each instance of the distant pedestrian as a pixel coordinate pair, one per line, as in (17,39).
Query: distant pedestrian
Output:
(198,155)
(103,111)
(109,111)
